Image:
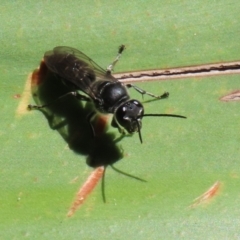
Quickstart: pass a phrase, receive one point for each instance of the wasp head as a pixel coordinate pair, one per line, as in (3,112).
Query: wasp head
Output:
(129,116)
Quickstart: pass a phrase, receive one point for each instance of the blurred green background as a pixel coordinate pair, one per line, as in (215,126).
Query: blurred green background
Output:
(180,159)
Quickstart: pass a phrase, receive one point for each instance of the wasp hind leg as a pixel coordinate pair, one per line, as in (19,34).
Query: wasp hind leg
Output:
(75,94)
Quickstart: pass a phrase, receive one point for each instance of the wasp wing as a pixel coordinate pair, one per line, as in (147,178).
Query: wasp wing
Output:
(74,66)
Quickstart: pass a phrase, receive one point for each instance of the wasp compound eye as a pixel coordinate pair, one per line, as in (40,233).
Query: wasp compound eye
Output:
(129,115)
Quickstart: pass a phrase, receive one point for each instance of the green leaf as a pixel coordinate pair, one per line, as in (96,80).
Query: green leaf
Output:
(180,158)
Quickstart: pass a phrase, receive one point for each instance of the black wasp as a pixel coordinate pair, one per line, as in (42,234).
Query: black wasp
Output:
(108,95)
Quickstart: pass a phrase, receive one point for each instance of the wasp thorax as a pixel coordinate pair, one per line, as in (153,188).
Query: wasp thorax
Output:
(129,115)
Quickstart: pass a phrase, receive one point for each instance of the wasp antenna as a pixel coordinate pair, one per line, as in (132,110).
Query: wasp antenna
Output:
(140,136)
(139,131)
(163,115)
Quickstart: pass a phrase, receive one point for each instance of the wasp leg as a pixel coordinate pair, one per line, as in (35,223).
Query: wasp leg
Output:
(89,119)
(75,94)
(116,125)
(164,95)
(112,65)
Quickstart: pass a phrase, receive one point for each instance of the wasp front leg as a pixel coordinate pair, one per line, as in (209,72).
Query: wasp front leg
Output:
(116,125)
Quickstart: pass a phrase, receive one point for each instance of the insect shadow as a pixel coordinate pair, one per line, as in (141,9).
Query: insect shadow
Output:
(70,120)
